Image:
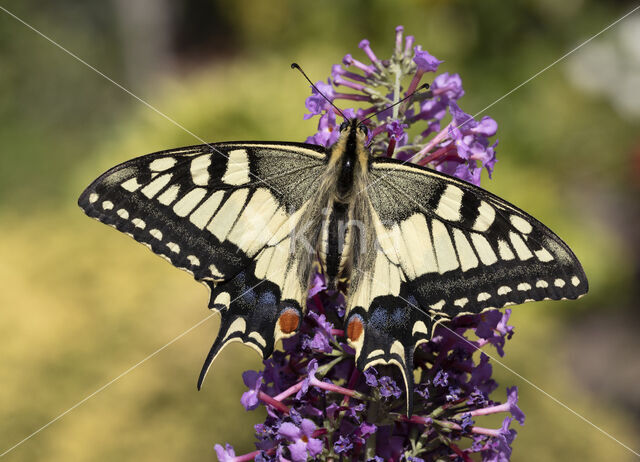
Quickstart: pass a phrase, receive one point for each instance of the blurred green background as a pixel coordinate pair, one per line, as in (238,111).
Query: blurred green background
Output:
(81,303)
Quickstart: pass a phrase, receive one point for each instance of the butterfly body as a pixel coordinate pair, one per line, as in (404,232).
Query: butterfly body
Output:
(250,219)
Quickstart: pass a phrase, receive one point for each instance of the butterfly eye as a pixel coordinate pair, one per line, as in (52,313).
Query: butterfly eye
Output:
(344,125)
(364,129)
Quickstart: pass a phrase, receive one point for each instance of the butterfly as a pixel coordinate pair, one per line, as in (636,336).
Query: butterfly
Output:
(250,220)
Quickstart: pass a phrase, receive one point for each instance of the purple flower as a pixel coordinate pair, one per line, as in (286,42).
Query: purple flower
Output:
(371,376)
(396,129)
(441,379)
(253,380)
(423,390)
(342,445)
(453,394)
(316,103)
(226,454)
(467,422)
(312,367)
(425,61)
(512,400)
(327,130)
(447,87)
(367,429)
(318,284)
(319,342)
(388,387)
(303,444)
(488,322)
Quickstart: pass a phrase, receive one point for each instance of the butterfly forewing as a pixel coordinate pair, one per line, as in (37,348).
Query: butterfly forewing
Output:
(225,213)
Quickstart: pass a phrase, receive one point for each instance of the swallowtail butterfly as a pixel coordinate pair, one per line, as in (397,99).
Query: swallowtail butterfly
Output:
(250,219)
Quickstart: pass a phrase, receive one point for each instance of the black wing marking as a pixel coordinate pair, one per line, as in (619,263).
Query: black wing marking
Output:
(222,212)
(446,248)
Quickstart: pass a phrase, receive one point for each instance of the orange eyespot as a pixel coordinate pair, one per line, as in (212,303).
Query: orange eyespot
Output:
(289,320)
(355,328)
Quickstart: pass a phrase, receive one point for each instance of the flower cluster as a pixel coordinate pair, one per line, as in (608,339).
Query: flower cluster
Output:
(460,147)
(319,405)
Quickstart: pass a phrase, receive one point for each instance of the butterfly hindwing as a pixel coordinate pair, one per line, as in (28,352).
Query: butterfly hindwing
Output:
(224,213)
(446,248)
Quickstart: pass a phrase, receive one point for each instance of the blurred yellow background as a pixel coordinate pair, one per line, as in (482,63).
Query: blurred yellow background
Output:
(82,304)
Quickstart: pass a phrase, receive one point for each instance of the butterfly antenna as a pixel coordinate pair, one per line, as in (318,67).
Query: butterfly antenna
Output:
(296,66)
(424,86)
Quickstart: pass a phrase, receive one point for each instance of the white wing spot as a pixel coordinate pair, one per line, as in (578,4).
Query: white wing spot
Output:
(485,252)
(122,213)
(543,255)
(461,302)
(237,168)
(239,325)
(575,281)
(189,201)
(195,261)
(169,195)
(445,252)
(156,185)
(258,338)
(466,254)
(131,185)
(107,205)
(504,290)
(223,298)
(483,296)
(523,287)
(175,248)
(485,217)
(520,224)
(160,165)
(138,223)
(450,203)
(93,197)
(421,327)
(437,306)
(215,272)
(505,251)
(542,284)
(226,216)
(559,283)
(521,248)
(200,170)
(201,216)
(156,233)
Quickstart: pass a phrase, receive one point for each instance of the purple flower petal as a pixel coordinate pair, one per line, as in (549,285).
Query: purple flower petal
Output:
(289,431)
(250,400)
(298,451)
(252,379)
(441,379)
(512,399)
(307,426)
(370,376)
(225,454)
(424,60)
(388,387)
(314,446)
(342,445)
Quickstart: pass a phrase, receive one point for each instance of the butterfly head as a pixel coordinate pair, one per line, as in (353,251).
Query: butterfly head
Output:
(355,130)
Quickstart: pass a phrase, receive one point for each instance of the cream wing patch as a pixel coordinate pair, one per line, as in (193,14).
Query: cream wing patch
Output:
(450,203)
(237,172)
